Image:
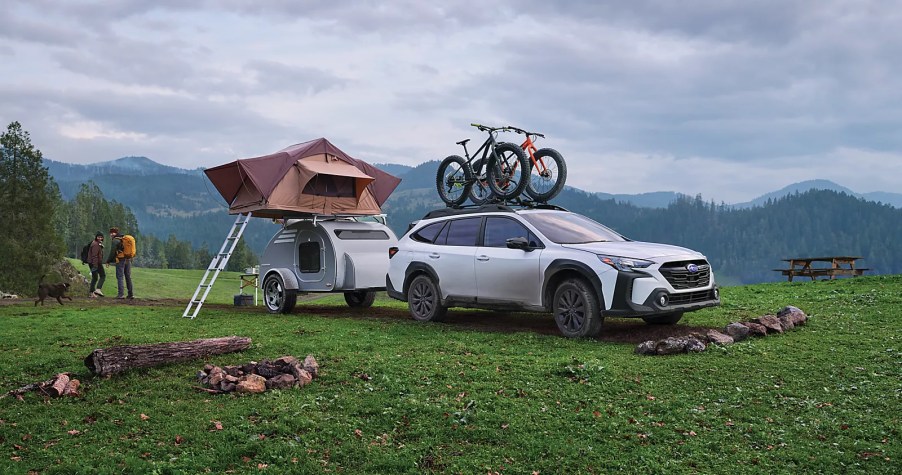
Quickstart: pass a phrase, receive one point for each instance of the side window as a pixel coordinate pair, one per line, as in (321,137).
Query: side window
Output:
(428,233)
(499,230)
(309,257)
(463,232)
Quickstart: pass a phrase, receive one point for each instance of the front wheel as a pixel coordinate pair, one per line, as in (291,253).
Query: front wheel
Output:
(276,297)
(453,180)
(508,171)
(360,298)
(576,309)
(425,301)
(548,174)
(667,319)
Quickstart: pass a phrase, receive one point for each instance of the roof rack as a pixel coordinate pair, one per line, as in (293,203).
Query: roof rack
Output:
(491,208)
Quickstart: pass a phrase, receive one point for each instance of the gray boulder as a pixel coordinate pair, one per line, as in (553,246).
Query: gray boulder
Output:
(737,331)
(694,345)
(755,329)
(646,348)
(719,338)
(786,323)
(671,346)
(798,316)
(771,322)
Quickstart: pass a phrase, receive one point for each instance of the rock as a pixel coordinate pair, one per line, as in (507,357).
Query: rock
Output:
(798,317)
(267,369)
(756,329)
(227,386)
(201,376)
(786,323)
(251,383)
(285,361)
(670,346)
(737,331)
(646,348)
(233,371)
(719,338)
(216,376)
(771,322)
(230,378)
(303,377)
(282,381)
(694,345)
(311,366)
(208,368)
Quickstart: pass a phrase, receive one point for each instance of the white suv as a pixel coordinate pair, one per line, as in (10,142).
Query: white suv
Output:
(544,259)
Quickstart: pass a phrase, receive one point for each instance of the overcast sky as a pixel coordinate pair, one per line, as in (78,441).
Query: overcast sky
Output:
(730,99)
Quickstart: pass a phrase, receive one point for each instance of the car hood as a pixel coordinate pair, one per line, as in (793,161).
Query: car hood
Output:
(636,249)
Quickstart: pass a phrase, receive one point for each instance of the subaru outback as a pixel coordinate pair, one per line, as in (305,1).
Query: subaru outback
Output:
(543,259)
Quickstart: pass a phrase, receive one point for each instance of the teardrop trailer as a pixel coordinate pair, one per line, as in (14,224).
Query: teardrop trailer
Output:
(326,254)
(334,237)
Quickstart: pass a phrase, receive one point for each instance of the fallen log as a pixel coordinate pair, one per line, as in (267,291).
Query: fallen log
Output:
(116,359)
(51,387)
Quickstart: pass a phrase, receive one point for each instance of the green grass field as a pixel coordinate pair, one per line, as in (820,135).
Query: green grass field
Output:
(397,396)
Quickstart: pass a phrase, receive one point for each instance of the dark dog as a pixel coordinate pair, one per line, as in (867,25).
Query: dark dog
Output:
(57,291)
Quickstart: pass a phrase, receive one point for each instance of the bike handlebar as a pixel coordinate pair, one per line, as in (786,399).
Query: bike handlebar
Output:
(521,131)
(486,128)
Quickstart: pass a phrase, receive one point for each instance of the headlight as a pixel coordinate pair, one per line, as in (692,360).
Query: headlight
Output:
(624,263)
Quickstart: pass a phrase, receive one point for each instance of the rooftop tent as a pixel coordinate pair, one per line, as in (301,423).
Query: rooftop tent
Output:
(313,177)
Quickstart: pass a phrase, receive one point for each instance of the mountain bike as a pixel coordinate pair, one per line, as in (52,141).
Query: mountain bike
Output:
(548,172)
(501,169)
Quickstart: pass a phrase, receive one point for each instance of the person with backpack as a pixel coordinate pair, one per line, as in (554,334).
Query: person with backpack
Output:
(94,260)
(121,254)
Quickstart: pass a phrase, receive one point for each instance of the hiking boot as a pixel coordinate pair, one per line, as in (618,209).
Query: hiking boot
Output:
(98,293)
(131,297)
(119,297)
(92,295)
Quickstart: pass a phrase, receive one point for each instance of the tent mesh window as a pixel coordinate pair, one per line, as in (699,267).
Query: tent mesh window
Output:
(331,186)
(309,257)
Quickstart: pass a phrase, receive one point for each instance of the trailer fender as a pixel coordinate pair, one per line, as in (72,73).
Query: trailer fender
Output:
(288,278)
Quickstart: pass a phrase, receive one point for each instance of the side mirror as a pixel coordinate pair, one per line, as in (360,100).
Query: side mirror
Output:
(518,243)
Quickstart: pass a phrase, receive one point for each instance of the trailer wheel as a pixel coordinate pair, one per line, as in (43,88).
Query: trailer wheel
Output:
(360,298)
(276,297)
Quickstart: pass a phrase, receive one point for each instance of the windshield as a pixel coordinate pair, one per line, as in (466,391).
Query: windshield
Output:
(570,228)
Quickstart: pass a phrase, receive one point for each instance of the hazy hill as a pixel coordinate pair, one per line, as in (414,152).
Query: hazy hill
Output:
(892,199)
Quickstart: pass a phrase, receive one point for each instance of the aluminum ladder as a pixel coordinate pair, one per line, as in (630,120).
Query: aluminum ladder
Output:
(216,266)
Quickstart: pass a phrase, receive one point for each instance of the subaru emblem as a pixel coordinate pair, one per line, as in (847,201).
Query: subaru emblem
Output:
(692,268)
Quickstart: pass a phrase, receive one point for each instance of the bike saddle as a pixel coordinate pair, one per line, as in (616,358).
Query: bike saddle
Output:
(463,142)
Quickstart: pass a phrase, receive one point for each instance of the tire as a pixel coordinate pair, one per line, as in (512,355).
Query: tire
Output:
(576,309)
(453,180)
(360,298)
(276,297)
(545,182)
(509,174)
(480,192)
(424,300)
(667,319)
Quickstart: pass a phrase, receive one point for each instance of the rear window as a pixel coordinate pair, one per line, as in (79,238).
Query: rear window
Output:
(368,234)
(462,232)
(428,233)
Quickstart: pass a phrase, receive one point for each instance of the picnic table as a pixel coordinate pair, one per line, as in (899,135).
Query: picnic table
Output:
(830,267)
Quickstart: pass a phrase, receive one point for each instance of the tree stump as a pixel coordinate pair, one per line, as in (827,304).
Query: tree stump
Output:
(116,359)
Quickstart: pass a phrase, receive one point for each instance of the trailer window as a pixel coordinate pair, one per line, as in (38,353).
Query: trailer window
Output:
(366,234)
(309,257)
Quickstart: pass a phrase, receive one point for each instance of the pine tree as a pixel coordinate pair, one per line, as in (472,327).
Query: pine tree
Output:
(31,201)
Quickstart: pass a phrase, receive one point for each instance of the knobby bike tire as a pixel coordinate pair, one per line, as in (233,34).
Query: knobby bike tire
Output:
(545,184)
(480,192)
(453,180)
(509,174)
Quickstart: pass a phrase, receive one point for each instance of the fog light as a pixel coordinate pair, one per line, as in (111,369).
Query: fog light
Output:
(716,293)
(662,300)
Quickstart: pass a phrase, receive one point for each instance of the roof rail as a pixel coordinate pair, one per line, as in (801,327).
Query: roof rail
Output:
(490,207)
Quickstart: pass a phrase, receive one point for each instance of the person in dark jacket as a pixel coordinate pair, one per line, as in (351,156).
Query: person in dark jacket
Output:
(123,264)
(95,263)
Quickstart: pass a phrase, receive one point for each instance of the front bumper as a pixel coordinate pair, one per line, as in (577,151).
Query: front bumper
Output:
(660,300)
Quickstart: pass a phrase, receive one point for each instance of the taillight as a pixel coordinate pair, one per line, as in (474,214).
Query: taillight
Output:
(392,251)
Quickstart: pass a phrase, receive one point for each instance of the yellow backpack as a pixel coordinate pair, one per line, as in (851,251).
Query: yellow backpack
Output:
(129,250)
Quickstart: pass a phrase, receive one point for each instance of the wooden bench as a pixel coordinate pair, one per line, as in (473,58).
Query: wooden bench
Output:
(838,266)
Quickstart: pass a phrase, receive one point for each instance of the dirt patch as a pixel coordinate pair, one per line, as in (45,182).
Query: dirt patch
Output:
(617,330)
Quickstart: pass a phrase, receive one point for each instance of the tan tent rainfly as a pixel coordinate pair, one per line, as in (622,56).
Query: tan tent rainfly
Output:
(313,177)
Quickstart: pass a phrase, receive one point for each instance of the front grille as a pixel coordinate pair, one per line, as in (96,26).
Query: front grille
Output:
(691,297)
(679,277)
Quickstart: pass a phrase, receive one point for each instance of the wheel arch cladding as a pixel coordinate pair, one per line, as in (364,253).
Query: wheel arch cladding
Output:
(418,268)
(562,269)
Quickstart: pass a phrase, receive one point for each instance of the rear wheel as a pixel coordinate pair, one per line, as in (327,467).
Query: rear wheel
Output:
(425,301)
(453,180)
(509,174)
(480,191)
(576,309)
(668,319)
(360,298)
(548,174)
(276,297)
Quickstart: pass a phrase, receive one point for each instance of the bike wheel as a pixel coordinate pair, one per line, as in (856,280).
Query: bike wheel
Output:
(548,174)
(453,180)
(509,173)
(480,191)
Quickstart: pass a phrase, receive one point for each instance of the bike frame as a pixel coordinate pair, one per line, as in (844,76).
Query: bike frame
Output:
(530,148)
(487,148)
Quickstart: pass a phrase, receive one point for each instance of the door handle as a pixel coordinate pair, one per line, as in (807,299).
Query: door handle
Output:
(434,255)
(482,258)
